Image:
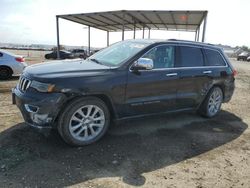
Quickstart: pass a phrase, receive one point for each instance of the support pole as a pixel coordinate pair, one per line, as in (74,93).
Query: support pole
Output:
(149,33)
(195,38)
(122,33)
(89,40)
(198,34)
(58,38)
(123,26)
(134,30)
(143,29)
(204,28)
(107,38)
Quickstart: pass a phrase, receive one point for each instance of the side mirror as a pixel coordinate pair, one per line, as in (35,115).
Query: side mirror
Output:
(143,64)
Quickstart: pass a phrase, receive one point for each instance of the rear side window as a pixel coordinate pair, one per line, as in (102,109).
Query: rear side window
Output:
(191,57)
(213,58)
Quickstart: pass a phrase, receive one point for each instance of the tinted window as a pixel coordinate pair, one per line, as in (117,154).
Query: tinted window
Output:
(162,56)
(1,55)
(214,58)
(191,57)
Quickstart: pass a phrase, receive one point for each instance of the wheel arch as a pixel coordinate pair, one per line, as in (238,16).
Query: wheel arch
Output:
(106,99)
(5,66)
(221,86)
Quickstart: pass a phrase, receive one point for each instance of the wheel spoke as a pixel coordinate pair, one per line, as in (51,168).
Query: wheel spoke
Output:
(94,113)
(90,107)
(86,134)
(98,118)
(80,131)
(80,112)
(76,119)
(96,125)
(92,131)
(73,128)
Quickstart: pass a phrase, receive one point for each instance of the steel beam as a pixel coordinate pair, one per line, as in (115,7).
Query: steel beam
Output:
(204,28)
(123,26)
(134,30)
(149,33)
(158,16)
(198,34)
(58,37)
(107,38)
(143,29)
(89,39)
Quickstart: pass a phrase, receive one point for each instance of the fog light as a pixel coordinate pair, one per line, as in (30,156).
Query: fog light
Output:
(31,108)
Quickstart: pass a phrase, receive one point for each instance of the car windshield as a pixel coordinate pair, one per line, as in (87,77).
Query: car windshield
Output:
(119,52)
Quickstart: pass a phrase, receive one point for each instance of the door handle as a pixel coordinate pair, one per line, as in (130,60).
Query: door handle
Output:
(207,72)
(171,74)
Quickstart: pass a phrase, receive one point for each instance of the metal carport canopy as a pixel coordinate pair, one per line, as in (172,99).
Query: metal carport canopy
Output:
(132,20)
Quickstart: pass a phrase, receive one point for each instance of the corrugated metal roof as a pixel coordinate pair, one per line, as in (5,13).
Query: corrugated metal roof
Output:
(139,19)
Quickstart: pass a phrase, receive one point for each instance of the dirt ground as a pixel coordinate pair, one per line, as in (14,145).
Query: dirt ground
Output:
(176,150)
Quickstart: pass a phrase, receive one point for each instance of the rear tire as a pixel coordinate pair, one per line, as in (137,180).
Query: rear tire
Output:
(212,103)
(84,121)
(5,73)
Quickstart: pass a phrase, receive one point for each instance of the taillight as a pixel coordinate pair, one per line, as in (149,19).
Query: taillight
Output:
(20,59)
(234,73)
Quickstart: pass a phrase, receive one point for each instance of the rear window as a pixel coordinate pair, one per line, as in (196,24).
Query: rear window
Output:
(213,58)
(191,57)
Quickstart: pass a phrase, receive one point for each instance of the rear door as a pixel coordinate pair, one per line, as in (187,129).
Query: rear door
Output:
(153,91)
(194,76)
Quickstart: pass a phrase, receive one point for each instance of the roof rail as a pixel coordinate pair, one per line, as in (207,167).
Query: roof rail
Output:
(190,41)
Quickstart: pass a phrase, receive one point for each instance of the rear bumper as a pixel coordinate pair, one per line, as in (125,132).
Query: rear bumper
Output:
(18,68)
(39,110)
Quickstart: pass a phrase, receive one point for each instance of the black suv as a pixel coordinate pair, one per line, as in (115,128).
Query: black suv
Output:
(128,79)
(63,55)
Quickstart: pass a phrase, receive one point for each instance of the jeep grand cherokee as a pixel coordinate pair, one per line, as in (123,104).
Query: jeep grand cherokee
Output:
(128,79)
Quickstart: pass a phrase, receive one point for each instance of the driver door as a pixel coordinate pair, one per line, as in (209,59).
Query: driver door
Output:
(153,91)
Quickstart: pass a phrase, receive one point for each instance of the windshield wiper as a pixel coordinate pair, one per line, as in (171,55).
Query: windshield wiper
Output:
(96,61)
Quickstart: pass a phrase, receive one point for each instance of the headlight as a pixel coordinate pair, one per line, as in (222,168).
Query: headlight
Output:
(42,87)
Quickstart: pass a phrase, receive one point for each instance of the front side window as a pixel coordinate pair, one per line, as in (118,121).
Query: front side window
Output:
(162,56)
(213,58)
(119,52)
(191,57)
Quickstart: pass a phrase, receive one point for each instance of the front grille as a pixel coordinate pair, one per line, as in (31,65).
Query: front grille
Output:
(24,84)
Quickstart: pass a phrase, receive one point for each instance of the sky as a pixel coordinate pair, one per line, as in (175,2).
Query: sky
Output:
(34,21)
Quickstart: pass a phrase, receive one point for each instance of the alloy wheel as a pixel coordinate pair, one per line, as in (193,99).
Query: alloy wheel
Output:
(87,122)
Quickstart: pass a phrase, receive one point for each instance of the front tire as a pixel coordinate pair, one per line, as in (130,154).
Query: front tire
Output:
(212,104)
(84,121)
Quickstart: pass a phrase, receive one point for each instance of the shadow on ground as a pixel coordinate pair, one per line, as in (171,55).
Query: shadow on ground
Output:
(28,158)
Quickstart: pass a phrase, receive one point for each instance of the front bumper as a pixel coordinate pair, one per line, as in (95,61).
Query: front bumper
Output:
(39,110)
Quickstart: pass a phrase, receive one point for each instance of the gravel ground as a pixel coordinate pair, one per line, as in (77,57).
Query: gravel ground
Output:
(176,150)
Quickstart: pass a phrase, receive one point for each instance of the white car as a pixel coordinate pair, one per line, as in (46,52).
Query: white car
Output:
(248,58)
(11,64)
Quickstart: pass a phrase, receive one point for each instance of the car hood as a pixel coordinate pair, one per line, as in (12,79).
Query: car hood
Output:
(65,68)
